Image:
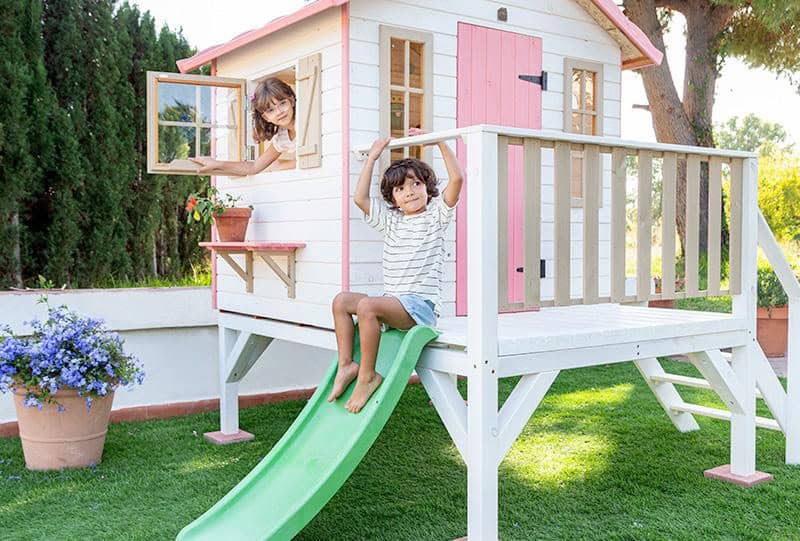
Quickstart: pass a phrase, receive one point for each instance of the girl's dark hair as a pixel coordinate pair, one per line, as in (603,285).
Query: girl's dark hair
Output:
(395,175)
(268,90)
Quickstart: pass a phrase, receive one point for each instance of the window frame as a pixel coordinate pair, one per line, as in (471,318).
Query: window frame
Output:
(182,167)
(387,33)
(570,65)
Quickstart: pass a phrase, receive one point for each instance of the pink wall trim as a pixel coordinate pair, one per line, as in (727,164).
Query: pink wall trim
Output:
(650,54)
(206,55)
(213,227)
(345,147)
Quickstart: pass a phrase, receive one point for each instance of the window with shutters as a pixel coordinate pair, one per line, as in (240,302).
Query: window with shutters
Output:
(197,115)
(406,86)
(583,112)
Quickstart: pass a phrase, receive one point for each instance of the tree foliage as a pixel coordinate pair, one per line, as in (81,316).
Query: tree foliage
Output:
(779,194)
(79,207)
(752,134)
(765,34)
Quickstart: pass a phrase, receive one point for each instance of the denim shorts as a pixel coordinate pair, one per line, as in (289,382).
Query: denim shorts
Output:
(420,310)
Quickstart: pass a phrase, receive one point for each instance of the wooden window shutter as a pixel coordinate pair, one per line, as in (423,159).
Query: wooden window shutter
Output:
(309,111)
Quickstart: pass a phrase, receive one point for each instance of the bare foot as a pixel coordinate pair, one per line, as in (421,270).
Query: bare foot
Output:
(362,392)
(344,376)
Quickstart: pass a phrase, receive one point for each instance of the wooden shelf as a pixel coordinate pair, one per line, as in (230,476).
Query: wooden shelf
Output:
(264,250)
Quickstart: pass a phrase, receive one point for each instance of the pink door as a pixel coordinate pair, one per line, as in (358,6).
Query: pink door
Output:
(490,92)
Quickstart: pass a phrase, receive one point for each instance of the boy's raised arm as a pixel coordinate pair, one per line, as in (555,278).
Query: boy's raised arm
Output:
(456,176)
(361,197)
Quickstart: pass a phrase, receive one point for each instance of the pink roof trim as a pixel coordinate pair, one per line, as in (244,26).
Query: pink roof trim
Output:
(205,56)
(650,54)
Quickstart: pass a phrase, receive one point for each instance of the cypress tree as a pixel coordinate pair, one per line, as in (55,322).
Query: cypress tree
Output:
(64,63)
(15,161)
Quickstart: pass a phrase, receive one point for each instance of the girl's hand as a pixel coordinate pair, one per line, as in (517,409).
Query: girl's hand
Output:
(207,165)
(377,148)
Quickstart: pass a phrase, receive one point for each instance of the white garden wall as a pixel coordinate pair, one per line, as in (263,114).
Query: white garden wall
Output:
(173,331)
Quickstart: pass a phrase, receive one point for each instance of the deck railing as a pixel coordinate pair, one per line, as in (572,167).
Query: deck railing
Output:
(548,156)
(553,155)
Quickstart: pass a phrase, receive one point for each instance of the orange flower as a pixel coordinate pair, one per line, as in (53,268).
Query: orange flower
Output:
(191,204)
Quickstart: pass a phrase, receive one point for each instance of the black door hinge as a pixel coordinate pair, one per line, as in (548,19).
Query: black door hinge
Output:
(540,80)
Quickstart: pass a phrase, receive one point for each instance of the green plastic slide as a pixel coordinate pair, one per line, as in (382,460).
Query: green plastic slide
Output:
(315,457)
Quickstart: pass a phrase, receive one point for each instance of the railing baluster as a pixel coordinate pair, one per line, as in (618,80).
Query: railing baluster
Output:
(502,226)
(736,228)
(669,168)
(644,225)
(714,224)
(618,180)
(562,197)
(591,223)
(532,194)
(692,247)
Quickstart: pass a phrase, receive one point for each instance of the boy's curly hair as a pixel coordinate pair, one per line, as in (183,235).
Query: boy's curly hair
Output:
(266,91)
(395,175)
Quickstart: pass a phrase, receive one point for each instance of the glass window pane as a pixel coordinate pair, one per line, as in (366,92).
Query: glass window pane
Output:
(226,107)
(223,144)
(176,102)
(205,103)
(415,111)
(588,124)
(398,62)
(576,181)
(415,65)
(576,123)
(175,143)
(588,96)
(397,115)
(576,89)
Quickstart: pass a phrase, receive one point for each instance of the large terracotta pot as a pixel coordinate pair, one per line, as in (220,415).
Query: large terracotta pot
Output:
(73,438)
(772,330)
(232,224)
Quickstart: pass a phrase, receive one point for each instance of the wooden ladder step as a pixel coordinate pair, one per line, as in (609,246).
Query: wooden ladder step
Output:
(687,381)
(725,415)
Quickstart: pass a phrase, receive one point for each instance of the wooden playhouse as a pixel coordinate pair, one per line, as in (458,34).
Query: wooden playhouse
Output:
(530,94)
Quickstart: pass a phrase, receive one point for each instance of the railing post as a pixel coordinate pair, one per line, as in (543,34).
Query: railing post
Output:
(482,298)
(793,384)
(743,425)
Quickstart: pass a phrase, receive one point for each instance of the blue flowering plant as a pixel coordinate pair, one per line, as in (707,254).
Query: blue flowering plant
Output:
(67,351)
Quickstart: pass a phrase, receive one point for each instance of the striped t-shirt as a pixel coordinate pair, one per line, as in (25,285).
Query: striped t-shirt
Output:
(413,248)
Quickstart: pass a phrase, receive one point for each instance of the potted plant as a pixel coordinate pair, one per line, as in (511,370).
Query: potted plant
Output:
(773,314)
(63,377)
(231,221)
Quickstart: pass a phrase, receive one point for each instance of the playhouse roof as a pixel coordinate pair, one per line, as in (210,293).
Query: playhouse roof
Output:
(637,50)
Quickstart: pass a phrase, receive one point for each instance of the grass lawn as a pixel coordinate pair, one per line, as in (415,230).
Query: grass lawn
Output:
(599,460)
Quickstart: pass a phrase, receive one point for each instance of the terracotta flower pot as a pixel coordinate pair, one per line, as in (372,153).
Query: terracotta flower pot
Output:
(73,438)
(772,330)
(232,224)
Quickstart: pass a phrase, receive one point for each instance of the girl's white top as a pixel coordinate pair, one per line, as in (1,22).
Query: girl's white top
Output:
(413,248)
(281,141)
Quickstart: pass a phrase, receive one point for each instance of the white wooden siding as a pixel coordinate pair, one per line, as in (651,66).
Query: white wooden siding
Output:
(294,205)
(566,30)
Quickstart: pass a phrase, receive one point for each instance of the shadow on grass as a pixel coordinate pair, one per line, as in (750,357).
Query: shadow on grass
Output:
(598,460)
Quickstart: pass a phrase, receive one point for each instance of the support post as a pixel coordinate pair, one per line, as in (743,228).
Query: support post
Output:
(482,331)
(792,429)
(742,469)
(238,351)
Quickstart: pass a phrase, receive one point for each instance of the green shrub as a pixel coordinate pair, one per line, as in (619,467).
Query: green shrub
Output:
(770,290)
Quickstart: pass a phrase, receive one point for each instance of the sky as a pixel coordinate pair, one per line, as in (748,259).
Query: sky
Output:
(740,89)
